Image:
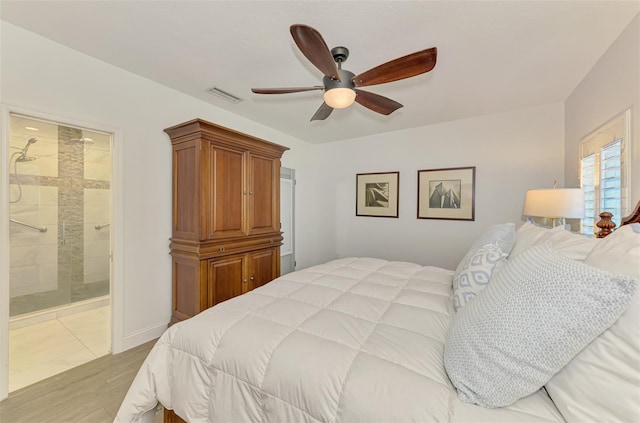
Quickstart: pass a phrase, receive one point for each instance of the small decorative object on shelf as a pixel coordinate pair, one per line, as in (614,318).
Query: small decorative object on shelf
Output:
(605,224)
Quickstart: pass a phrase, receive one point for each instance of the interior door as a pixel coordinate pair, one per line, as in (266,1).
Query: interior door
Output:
(287,219)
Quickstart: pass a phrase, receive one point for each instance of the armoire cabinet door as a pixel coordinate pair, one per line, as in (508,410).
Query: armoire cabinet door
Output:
(227,193)
(225,278)
(186,186)
(263,267)
(264,194)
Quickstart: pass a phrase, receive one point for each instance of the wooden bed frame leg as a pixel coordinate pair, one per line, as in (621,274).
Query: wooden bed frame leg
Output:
(171,417)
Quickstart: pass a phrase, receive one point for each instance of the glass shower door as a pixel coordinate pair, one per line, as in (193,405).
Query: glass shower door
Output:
(59,210)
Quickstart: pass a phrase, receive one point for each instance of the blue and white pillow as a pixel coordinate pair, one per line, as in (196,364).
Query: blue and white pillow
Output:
(537,313)
(476,274)
(503,235)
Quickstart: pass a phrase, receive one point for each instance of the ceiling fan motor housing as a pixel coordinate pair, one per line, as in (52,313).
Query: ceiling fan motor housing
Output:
(346,80)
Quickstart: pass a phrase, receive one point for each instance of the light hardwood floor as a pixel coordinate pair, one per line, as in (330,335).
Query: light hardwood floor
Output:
(90,393)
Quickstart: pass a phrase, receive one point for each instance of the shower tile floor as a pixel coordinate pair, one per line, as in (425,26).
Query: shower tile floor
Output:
(45,349)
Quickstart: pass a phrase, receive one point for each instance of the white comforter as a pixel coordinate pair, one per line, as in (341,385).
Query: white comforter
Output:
(352,340)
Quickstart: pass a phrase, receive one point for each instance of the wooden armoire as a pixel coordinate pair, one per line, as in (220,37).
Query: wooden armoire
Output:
(226,215)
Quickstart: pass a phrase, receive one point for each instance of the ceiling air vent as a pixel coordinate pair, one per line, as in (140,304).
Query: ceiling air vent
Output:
(224,95)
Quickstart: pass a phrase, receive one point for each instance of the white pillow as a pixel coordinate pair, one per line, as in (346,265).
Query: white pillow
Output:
(569,244)
(572,245)
(619,252)
(602,383)
(476,274)
(526,236)
(537,313)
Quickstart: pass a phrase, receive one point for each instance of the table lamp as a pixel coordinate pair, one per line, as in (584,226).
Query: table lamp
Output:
(556,204)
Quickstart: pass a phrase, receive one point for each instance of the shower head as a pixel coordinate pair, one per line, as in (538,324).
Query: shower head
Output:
(23,156)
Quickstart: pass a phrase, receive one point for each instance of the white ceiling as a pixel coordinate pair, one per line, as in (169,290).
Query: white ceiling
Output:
(492,55)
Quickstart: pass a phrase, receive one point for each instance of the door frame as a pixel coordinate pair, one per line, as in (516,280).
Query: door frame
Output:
(116,287)
(289,175)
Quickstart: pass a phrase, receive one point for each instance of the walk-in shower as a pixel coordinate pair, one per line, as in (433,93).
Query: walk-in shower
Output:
(59,248)
(59,197)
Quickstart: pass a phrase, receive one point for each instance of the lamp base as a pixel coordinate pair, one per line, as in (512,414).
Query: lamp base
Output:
(551,222)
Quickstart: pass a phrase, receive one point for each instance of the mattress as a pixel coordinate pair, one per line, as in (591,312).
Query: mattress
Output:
(352,340)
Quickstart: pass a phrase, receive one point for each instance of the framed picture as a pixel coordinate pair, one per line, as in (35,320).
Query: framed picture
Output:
(377,194)
(447,193)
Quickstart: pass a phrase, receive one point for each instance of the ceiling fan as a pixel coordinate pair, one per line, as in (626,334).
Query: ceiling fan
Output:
(340,85)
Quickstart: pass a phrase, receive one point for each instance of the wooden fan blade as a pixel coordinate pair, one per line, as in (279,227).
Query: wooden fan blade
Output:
(322,113)
(376,102)
(285,90)
(401,68)
(312,45)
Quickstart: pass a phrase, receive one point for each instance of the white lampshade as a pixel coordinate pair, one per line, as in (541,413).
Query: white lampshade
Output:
(555,203)
(339,98)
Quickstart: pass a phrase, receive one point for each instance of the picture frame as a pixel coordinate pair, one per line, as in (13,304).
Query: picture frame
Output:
(377,194)
(447,193)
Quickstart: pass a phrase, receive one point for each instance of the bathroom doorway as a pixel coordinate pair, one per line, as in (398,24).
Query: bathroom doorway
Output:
(59,247)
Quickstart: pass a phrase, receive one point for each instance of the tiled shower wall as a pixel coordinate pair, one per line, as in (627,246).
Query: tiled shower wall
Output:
(66,185)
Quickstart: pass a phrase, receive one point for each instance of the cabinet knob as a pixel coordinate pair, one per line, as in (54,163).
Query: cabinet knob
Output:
(221,249)
(250,192)
(270,241)
(244,192)
(251,278)
(244,281)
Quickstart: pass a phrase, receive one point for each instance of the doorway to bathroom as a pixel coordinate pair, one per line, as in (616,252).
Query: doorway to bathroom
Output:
(59,247)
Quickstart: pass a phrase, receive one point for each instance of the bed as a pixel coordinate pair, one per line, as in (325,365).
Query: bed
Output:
(553,337)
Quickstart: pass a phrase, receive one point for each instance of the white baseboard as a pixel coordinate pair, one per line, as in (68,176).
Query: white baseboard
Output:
(142,336)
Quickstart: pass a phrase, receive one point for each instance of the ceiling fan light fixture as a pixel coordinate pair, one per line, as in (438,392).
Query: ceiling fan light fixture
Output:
(342,87)
(339,98)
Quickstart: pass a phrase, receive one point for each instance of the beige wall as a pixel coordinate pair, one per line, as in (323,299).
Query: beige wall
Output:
(611,87)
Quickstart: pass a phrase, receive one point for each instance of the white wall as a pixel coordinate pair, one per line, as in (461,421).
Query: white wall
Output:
(612,86)
(512,152)
(46,78)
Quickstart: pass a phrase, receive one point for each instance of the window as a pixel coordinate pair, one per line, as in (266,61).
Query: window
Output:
(603,172)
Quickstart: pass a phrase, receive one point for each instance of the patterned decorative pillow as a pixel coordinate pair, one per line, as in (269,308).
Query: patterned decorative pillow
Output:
(503,235)
(476,274)
(537,313)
